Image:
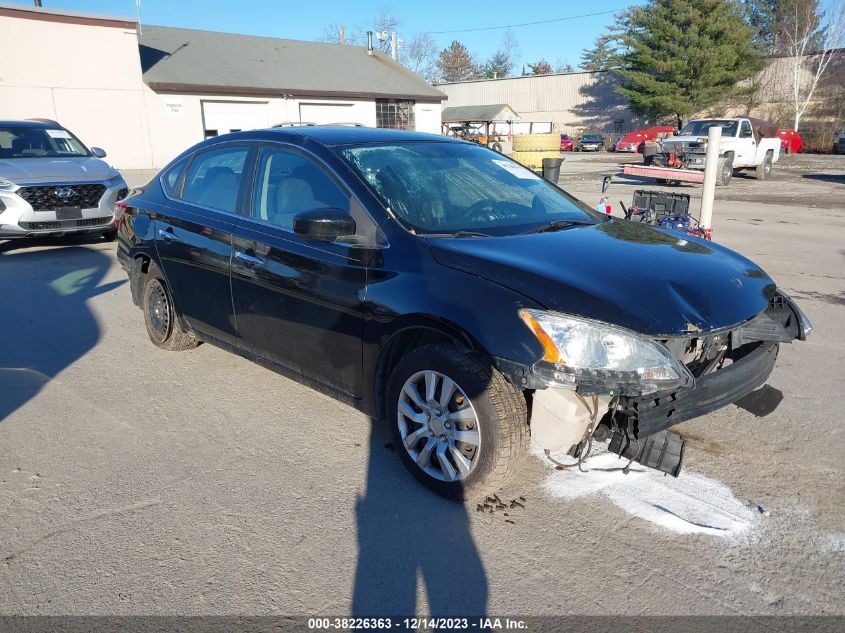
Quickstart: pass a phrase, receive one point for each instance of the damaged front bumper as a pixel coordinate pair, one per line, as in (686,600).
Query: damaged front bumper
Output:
(652,413)
(723,366)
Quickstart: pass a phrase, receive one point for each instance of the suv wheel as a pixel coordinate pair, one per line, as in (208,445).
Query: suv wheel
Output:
(163,324)
(459,426)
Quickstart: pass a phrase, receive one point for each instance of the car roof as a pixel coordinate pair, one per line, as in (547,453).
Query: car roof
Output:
(31,123)
(344,134)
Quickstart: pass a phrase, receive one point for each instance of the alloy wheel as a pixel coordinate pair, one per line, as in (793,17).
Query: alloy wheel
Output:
(439,426)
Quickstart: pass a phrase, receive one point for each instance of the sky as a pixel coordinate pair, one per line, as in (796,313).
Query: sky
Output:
(557,42)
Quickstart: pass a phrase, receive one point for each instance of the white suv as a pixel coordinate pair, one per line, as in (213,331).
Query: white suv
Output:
(51,184)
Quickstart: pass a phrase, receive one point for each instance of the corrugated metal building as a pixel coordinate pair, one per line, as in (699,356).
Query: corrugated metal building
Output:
(572,102)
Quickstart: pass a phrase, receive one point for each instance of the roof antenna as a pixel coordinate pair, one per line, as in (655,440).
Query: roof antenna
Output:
(138,7)
(369,42)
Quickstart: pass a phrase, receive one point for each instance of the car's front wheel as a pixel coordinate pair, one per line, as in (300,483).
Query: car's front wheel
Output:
(163,324)
(458,425)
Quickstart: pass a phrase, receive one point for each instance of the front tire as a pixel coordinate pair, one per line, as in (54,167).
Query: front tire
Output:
(459,427)
(164,327)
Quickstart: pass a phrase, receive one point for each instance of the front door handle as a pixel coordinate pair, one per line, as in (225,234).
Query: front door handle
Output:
(167,235)
(248,260)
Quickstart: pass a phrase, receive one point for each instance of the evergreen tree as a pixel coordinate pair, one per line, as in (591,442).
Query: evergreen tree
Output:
(455,63)
(601,56)
(680,56)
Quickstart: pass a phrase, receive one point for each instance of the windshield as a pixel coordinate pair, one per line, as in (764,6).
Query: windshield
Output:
(591,138)
(23,141)
(699,128)
(453,187)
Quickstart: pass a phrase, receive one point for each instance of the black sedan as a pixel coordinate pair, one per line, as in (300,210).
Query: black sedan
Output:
(440,286)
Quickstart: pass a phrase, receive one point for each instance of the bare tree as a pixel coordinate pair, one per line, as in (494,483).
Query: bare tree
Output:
(420,56)
(563,66)
(802,33)
(382,26)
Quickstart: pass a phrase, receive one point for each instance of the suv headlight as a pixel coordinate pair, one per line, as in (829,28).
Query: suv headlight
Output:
(598,357)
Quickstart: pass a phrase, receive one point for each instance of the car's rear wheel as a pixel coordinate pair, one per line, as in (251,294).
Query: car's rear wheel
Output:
(163,324)
(458,425)
(724,171)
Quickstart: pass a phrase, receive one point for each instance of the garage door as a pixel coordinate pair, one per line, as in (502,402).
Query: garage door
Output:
(327,113)
(222,117)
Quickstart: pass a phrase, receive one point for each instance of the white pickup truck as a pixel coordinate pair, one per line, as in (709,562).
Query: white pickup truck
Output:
(746,144)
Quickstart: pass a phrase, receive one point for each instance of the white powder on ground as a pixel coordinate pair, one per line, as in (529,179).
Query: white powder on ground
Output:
(689,504)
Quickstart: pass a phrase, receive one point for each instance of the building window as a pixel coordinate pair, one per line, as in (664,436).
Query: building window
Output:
(397,114)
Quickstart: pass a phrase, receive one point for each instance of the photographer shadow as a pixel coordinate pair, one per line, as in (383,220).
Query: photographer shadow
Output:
(410,540)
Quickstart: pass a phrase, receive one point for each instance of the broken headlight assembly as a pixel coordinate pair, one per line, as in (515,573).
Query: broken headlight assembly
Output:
(598,358)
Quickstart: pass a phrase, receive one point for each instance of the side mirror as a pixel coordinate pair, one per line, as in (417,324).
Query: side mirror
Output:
(98,152)
(323,225)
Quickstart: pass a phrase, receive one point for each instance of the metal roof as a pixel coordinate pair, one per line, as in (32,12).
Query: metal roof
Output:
(479,113)
(187,60)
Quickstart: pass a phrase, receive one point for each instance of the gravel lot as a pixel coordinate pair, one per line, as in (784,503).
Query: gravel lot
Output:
(138,481)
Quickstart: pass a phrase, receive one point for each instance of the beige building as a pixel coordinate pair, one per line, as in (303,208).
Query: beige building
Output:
(146,94)
(570,103)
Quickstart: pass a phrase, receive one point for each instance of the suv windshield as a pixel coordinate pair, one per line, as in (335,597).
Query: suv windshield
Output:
(591,138)
(457,187)
(24,141)
(699,128)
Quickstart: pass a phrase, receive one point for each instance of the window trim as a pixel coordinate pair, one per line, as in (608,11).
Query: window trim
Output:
(354,200)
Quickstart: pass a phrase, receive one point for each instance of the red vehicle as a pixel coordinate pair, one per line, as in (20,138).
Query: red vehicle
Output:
(631,141)
(790,140)
(566,143)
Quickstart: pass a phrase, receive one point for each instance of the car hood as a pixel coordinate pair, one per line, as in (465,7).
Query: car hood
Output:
(649,280)
(55,170)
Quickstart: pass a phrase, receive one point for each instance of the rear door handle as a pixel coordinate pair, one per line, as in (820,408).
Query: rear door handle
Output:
(248,260)
(167,235)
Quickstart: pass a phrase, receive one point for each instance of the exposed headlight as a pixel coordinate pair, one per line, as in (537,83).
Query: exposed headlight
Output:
(7,185)
(598,357)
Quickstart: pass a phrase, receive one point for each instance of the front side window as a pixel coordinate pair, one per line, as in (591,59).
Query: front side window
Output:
(214,178)
(745,130)
(396,114)
(445,187)
(30,141)
(287,183)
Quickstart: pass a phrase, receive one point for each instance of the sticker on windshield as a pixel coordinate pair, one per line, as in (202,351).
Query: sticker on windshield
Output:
(58,133)
(516,170)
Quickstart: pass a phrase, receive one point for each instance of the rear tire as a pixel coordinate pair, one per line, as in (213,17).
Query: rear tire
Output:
(482,401)
(724,171)
(164,326)
(764,169)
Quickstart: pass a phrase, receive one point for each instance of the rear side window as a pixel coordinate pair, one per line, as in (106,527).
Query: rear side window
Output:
(170,179)
(214,177)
